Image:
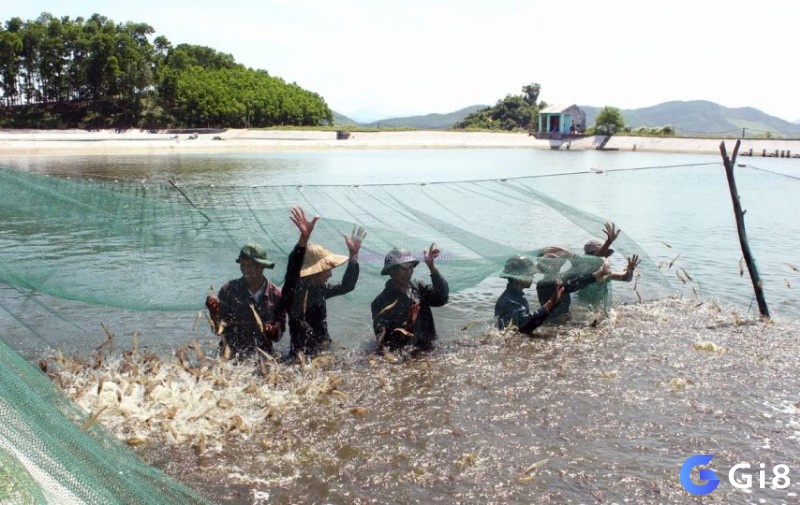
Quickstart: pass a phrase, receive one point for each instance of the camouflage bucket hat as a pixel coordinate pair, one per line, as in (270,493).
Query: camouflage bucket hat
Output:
(256,253)
(520,268)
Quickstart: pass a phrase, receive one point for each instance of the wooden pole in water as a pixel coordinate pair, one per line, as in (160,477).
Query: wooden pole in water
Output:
(737,210)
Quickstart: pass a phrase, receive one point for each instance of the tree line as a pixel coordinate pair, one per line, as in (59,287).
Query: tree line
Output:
(94,73)
(514,112)
(521,112)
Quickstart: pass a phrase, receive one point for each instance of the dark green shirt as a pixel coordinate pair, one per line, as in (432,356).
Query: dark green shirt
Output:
(308,319)
(512,307)
(391,307)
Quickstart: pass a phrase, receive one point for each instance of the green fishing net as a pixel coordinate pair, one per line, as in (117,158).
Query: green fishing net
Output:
(47,457)
(150,248)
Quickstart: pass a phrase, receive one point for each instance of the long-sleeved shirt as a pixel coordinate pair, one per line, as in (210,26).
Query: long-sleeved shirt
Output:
(308,319)
(390,313)
(242,331)
(512,307)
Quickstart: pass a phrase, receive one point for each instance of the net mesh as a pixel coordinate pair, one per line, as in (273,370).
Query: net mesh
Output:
(154,248)
(50,452)
(158,248)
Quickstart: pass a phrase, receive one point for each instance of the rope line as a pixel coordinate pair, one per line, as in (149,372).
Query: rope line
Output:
(773,173)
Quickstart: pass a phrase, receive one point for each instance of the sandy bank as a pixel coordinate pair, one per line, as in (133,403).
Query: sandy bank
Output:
(28,142)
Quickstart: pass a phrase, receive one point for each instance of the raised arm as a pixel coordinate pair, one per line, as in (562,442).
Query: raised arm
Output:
(627,275)
(306,226)
(354,241)
(612,233)
(295,263)
(430,256)
(438,293)
(350,276)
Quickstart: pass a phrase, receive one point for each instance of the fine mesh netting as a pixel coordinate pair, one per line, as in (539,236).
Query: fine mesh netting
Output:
(152,248)
(50,452)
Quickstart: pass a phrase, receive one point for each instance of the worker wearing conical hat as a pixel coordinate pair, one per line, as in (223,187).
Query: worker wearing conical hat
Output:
(308,318)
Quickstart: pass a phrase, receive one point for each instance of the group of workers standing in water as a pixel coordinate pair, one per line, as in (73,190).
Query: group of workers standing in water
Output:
(250,313)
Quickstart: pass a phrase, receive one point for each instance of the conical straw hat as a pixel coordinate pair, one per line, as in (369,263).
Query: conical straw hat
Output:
(318,259)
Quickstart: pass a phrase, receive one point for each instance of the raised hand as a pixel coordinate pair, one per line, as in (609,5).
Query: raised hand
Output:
(430,255)
(354,241)
(633,262)
(611,231)
(303,224)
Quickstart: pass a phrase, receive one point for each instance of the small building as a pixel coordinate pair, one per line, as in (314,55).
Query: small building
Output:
(559,121)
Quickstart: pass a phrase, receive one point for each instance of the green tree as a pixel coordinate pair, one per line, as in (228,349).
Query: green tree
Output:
(532,93)
(609,121)
(10,49)
(514,112)
(94,72)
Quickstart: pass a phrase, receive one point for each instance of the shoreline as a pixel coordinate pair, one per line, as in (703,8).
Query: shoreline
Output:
(83,142)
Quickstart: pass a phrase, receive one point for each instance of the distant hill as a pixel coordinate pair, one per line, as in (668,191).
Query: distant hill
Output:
(342,120)
(700,117)
(426,122)
(695,118)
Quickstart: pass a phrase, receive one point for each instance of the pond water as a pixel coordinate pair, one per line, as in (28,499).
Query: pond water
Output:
(586,415)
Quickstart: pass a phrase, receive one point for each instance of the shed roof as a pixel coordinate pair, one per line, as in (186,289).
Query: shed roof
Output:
(556,109)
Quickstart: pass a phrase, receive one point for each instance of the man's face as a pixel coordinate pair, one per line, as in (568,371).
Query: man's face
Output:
(320,278)
(402,273)
(524,284)
(251,270)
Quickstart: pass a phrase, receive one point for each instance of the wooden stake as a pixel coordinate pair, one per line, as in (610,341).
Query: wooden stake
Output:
(737,210)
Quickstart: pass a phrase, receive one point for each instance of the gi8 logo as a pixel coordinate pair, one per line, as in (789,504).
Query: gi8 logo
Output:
(712,481)
(780,479)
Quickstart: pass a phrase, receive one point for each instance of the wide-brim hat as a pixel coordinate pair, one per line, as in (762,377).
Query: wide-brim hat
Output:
(318,259)
(592,247)
(519,268)
(257,253)
(398,257)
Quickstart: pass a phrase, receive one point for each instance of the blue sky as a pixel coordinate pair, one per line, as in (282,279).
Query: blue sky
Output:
(417,57)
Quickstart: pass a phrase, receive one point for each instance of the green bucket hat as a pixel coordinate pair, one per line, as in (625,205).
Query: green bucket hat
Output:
(520,268)
(256,253)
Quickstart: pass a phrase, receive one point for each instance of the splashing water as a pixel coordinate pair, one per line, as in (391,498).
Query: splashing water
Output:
(606,413)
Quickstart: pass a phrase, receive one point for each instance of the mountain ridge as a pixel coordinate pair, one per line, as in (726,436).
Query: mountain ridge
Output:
(694,117)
